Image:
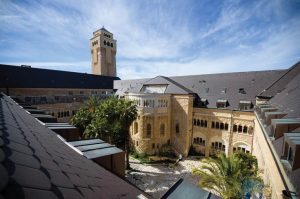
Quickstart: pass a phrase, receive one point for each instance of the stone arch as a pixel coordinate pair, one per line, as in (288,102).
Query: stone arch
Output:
(218,143)
(243,146)
(197,136)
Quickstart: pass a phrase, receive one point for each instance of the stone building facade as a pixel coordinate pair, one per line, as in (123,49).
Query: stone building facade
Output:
(194,112)
(58,93)
(255,112)
(103,51)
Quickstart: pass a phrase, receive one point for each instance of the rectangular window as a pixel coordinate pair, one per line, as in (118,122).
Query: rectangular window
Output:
(222,103)
(177,128)
(245,105)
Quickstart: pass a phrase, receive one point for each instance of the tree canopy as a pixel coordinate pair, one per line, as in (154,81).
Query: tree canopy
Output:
(107,119)
(235,176)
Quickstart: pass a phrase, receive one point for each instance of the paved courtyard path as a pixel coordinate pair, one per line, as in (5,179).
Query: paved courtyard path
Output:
(157,179)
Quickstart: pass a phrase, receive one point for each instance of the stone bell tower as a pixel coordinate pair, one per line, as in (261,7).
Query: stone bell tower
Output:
(103,51)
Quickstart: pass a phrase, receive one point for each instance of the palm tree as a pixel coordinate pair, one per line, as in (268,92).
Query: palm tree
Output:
(128,113)
(92,103)
(235,176)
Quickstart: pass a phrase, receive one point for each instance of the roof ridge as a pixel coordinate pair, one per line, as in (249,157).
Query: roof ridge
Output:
(177,84)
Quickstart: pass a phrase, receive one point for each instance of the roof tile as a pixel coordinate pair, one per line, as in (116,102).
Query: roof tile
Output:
(38,194)
(3,177)
(24,159)
(70,193)
(60,179)
(30,177)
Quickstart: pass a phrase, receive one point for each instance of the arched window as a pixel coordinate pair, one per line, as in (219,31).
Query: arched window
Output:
(198,122)
(234,128)
(135,128)
(148,131)
(177,128)
(241,147)
(240,129)
(108,43)
(195,122)
(202,123)
(250,131)
(162,129)
(212,124)
(104,42)
(112,45)
(205,123)
(226,126)
(222,126)
(217,125)
(245,129)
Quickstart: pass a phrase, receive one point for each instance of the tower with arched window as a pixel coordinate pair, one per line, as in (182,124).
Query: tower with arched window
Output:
(103,51)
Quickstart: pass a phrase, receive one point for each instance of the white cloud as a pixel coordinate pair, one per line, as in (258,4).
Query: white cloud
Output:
(153,38)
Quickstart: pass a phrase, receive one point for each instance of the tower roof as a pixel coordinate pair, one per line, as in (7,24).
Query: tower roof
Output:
(104,29)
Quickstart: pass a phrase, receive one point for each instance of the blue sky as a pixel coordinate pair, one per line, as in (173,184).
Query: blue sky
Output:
(175,37)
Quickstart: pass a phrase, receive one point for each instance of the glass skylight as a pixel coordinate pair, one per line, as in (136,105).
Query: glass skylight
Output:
(153,89)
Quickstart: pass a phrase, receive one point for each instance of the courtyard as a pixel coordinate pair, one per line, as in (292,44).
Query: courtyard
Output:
(156,179)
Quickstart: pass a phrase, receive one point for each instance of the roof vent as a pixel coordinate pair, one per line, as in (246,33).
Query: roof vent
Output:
(222,103)
(242,91)
(26,66)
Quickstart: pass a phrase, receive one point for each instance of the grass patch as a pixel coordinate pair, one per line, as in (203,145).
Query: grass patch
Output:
(142,157)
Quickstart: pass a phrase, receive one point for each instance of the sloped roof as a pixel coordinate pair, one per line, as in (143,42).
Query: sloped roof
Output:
(104,29)
(184,189)
(288,100)
(281,83)
(35,163)
(227,86)
(172,86)
(25,77)
(216,84)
